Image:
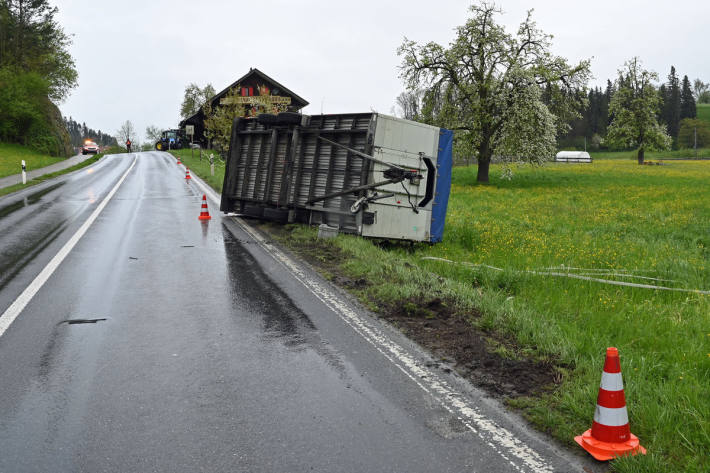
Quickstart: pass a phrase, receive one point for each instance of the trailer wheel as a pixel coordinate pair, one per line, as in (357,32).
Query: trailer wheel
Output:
(159,146)
(267,119)
(288,118)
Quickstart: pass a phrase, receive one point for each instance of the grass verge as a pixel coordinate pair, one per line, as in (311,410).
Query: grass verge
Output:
(201,166)
(40,179)
(11,156)
(613,220)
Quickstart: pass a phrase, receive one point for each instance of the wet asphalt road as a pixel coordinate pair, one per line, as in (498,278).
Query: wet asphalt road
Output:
(211,358)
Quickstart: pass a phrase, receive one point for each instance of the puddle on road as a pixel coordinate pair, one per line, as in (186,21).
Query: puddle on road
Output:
(282,319)
(33,198)
(8,209)
(11,265)
(29,200)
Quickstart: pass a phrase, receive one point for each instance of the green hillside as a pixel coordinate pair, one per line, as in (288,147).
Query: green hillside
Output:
(11,156)
(704,112)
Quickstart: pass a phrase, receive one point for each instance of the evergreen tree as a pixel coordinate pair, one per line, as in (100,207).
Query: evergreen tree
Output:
(593,121)
(687,101)
(607,100)
(662,111)
(79,132)
(672,104)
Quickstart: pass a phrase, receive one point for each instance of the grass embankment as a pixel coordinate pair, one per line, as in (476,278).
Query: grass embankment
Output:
(40,179)
(11,156)
(201,167)
(616,220)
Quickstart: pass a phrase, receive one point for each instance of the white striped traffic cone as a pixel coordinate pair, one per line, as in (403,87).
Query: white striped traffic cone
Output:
(610,435)
(204,213)
(187,173)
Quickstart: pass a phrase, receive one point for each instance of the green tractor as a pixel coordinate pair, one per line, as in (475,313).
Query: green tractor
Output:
(171,139)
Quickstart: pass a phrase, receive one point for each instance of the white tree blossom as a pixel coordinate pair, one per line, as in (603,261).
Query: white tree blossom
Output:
(487,87)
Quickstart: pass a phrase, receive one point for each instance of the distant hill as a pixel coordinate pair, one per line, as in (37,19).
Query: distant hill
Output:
(704,112)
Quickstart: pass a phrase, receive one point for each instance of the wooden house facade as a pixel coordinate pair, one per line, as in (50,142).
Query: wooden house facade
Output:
(257,92)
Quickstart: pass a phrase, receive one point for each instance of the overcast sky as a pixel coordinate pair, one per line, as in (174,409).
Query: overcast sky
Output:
(135,57)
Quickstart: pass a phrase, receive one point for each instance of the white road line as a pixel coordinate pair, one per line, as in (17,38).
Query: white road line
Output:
(9,316)
(502,441)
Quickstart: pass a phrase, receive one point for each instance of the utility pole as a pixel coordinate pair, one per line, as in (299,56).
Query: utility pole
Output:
(695,138)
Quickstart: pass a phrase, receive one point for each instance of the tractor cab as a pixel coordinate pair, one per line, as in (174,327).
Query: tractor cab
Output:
(170,139)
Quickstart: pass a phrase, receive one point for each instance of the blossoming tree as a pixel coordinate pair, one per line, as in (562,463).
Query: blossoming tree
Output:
(506,95)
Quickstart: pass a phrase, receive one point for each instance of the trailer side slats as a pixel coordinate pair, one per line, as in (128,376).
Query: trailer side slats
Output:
(286,169)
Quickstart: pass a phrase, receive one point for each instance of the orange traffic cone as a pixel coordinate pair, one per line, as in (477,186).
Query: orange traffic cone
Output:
(178,161)
(204,213)
(187,173)
(610,435)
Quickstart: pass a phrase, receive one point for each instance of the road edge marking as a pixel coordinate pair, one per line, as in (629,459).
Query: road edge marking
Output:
(12,312)
(501,440)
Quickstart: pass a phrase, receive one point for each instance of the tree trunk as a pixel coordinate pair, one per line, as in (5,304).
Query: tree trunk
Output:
(640,155)
(483,165)
(484,161)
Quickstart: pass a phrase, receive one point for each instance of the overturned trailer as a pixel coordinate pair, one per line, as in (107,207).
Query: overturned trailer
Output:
(364,173)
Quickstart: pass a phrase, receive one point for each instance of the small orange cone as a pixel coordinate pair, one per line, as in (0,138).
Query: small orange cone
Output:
(610,435)
(204,213)
(187,173)
(178,161)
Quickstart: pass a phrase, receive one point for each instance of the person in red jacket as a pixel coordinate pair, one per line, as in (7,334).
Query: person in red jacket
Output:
(128,144)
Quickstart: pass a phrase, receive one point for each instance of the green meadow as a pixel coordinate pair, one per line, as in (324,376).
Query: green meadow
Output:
(554,261)
(655,156)
(613,221)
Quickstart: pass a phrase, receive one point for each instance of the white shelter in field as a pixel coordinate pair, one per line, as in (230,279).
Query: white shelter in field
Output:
(573,157)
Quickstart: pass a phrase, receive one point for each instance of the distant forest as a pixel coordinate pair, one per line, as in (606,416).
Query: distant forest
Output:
(678,112)
(79,132)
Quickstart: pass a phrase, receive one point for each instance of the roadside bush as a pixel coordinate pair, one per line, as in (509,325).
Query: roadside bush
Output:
(21,95)
(27,114)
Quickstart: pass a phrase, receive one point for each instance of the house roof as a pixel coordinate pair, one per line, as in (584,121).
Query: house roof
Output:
(299,101)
